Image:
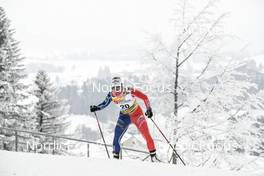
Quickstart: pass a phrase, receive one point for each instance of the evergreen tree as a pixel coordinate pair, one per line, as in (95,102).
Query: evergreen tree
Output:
(13,111)
(50,112)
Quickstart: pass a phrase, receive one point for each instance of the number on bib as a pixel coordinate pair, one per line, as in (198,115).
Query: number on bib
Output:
(124,106)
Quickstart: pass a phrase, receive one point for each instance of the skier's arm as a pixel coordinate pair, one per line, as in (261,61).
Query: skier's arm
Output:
(106,102)
(102,105)
(142,96)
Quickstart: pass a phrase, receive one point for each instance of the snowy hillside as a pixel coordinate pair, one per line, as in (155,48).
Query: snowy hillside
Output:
(64,70)
(28,164)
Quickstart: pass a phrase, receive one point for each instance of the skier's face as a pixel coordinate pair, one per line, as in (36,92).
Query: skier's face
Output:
(117,90)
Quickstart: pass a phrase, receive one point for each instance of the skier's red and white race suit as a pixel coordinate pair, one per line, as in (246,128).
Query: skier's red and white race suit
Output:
(130,111)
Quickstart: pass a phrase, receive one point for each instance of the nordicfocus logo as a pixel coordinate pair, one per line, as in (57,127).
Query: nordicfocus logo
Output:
(161,88)
(48,146)
(210,146)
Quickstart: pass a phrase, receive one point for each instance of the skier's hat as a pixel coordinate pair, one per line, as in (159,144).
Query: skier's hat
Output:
(116,82)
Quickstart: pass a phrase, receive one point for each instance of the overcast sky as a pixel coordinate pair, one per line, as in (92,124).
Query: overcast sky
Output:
(46,26)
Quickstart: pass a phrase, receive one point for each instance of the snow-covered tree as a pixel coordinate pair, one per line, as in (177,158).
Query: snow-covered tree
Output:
(223,118)
(13,109)
(50,112)
(196,38)
(206,98)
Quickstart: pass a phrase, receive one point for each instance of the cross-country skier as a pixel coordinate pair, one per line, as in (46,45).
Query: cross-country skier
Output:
(130,111)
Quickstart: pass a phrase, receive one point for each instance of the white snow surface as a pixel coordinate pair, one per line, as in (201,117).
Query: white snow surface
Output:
(76,120)
(30,164)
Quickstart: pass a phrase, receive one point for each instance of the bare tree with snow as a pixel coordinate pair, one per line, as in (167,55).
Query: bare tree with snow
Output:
(196,33)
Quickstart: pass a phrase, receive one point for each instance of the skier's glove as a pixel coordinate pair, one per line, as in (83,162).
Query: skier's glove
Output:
(149,113)
(94,108)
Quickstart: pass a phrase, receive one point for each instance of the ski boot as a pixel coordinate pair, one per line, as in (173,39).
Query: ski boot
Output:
(116,155)
(153,157)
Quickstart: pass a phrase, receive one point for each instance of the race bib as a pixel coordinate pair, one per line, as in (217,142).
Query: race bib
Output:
(127,102)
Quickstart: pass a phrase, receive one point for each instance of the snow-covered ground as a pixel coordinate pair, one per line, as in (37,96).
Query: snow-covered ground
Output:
(29,164)
(76,120)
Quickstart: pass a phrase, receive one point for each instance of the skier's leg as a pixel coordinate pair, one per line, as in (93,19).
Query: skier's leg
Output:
(120,129)
(139,120)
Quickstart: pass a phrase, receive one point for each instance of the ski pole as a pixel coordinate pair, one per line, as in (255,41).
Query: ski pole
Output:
(102,134)
(168,142)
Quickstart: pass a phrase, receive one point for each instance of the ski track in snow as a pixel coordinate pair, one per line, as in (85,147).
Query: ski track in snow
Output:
(30,164)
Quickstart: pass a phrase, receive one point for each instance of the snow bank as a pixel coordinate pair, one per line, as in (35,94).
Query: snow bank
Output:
(29,164)
(76,120)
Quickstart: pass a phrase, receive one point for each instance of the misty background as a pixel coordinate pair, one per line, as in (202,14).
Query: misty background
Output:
(75,40)
(80,43)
